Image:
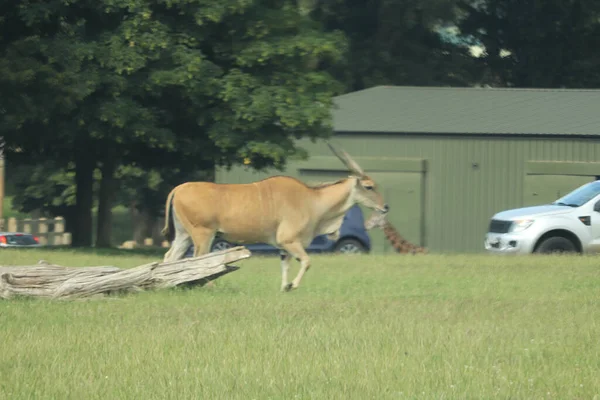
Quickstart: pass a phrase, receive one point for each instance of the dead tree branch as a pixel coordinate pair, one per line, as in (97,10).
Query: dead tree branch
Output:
(55,281)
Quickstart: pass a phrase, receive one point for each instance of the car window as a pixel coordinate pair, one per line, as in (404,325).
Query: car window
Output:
(581,195)
(20,239)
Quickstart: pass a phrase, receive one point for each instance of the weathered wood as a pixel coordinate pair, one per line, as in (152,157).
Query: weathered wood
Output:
(176,272)
(55,281)
(125,280)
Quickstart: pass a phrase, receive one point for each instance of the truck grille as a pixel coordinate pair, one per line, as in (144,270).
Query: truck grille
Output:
(498,226)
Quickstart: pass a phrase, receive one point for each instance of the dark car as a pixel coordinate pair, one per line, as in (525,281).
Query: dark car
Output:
(353,239)
(18,239)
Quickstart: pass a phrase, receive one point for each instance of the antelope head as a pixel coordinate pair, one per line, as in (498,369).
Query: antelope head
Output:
(366,191)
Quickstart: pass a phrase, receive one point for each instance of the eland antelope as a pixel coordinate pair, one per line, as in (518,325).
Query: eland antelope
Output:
(280,210)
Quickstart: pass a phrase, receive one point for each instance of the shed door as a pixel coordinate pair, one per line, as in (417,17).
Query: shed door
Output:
(544,189)
(403,191)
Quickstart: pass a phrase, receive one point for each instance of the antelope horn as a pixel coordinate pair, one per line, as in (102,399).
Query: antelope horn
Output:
(347,160)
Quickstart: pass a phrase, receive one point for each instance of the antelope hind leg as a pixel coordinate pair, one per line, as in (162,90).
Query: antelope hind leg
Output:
(202,240)
(178,248)
(181,241)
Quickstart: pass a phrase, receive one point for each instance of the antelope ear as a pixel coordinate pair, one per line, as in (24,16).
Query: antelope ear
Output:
(347,160)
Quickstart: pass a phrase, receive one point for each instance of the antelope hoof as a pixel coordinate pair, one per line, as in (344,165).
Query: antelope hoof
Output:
(288,287)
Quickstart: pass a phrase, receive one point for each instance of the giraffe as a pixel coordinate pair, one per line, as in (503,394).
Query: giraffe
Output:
(401,245)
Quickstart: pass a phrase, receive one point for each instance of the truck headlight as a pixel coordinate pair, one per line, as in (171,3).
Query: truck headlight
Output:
(520,225)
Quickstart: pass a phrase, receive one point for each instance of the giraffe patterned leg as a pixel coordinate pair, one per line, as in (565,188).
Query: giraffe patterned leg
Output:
(399,244)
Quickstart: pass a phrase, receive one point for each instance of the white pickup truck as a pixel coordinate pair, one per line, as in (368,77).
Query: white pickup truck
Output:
(570,224)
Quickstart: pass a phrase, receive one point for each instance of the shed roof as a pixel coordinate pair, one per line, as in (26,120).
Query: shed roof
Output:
(407,109)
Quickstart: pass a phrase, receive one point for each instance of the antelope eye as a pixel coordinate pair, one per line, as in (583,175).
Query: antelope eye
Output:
(368,187)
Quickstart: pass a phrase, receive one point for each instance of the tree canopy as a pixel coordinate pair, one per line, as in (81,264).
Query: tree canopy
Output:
(530,43)
(186,84)
(398,42)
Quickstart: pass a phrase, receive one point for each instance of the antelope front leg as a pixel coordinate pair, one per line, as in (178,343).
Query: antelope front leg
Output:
(285,266)
(297,251)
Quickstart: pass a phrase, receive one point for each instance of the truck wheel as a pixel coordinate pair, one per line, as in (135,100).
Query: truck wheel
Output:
(556,244)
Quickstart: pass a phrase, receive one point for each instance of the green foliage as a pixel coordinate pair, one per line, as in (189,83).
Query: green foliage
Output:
(161,85)
(50,190)
(9,211)
(45,187)
(138,72)
(397,42)
(551,43)
(147,189)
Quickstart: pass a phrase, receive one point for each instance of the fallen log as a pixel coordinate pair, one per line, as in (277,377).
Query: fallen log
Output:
(56,281)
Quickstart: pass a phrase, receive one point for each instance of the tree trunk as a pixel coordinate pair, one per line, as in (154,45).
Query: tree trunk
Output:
(84,197)
(69,215)
(108,189)
(142,225)
(157,226)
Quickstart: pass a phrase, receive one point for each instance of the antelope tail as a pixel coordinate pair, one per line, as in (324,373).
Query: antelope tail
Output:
(169,230)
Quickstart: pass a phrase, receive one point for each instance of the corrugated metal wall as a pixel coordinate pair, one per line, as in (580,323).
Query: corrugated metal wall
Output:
(468,178)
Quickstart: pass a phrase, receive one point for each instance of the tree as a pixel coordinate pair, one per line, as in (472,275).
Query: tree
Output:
(397,42)
(46,188)
(529,43)
(166,83)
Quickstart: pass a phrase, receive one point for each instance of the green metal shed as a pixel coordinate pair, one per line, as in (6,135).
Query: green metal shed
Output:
(449,158)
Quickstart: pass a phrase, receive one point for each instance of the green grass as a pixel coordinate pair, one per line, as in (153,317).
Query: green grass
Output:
(370,327)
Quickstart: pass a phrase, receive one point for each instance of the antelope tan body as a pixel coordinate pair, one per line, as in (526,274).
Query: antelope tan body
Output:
(281,211)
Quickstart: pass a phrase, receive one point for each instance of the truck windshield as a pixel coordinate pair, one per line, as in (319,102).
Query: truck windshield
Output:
(580,196)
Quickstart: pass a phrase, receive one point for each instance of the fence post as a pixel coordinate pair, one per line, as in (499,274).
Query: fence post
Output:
(59,229)
(27,222)
(43,231)
(12,225)
(59,224)
(49,232)
(66,238)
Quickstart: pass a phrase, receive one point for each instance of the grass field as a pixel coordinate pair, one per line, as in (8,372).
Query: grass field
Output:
(370,327)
